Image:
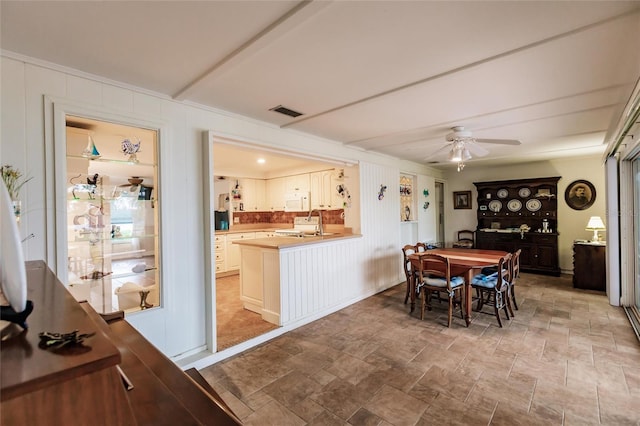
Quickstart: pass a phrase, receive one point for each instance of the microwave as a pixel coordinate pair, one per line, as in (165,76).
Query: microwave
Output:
(296,202)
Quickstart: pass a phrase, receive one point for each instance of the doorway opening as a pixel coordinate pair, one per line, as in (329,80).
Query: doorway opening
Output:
(250,189)
(440,213)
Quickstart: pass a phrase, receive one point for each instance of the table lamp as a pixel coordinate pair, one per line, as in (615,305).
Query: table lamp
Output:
(595,224)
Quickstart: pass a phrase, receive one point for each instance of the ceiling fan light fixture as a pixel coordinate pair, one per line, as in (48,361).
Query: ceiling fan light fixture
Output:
(459,153)
(466,155)
(455,155)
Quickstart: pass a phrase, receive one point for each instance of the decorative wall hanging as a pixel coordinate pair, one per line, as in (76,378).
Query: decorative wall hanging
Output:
(425,192)
(383,188)
(344,193)
(580,194)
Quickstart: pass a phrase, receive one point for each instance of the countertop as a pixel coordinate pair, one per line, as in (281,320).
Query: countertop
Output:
(287,242)
(241,231)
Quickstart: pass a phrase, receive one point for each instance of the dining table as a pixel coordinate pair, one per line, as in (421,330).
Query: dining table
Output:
(464,262)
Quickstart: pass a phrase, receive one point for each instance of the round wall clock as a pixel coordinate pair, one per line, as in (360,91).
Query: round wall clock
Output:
(524,192)
(503,193)
(514,205)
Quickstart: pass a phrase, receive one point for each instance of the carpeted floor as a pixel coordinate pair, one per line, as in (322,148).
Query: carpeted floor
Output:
(235,324)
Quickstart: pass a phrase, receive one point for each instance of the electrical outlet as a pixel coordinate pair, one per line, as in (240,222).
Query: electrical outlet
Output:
(236,219)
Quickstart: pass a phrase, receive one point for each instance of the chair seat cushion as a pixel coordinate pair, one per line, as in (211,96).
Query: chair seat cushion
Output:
(488,270)
(463,244)
(442,282)
(486,281)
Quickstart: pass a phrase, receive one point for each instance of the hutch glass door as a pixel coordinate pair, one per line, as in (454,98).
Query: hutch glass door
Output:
(112,219)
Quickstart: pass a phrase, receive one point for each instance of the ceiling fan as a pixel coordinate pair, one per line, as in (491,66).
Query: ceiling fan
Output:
(134,185)
(462,144)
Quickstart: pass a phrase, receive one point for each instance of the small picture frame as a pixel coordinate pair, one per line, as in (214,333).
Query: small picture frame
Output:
(580,194)
(462,199)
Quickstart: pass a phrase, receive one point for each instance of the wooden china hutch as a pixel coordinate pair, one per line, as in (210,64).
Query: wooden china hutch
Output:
(521,214)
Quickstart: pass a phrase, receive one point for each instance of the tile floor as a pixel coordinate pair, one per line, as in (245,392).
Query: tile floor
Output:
(567,358)
(235,324)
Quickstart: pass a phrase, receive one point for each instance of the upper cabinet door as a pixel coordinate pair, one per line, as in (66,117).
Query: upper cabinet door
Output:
(323,187)
(275,189)
(297,183)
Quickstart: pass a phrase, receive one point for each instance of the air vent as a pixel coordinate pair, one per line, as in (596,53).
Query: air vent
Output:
(286,111)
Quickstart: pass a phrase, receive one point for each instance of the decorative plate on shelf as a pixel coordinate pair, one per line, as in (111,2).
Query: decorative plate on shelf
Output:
(524,192)
(503,193)
(533,205)
(495,206)
(514,205)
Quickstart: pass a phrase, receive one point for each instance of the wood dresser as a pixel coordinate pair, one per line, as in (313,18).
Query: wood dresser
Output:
(589,266)
(504,206)
(82,384)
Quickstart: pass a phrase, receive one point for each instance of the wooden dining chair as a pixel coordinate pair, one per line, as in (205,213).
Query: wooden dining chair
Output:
(466,239)
(406,251)
(515,273)
(421,247)
(493,290)
(434,275)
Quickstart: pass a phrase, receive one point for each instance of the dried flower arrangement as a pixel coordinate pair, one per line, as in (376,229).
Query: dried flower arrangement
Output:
(12,180)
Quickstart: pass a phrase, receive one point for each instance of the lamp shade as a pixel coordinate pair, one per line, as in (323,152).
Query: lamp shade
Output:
(595,224)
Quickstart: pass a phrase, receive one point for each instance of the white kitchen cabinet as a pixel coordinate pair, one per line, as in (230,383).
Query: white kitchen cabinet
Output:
(233,250)
(253,195)
(324,194)
(220,252)
(275,189)
(297,183)
(265,234)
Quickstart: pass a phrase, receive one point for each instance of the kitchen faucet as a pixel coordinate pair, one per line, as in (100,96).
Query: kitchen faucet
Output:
(320,230)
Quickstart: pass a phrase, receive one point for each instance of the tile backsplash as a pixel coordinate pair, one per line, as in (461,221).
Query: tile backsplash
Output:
(329,217)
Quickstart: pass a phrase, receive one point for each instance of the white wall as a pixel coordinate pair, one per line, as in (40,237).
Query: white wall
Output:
(571,223)
(30,91)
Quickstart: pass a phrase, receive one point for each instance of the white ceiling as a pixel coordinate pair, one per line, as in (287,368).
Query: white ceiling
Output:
(387,76)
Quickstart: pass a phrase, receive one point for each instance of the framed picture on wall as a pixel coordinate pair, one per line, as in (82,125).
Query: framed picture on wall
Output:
(580,194)
(462,199)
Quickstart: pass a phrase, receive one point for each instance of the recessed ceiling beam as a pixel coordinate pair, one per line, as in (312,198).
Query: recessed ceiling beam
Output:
(461,68)
(294,17)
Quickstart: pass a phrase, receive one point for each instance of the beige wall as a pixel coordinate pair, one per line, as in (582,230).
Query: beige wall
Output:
(571,223)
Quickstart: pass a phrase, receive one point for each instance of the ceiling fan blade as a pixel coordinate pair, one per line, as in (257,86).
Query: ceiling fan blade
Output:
(500,141)
(438,152)
(477,150)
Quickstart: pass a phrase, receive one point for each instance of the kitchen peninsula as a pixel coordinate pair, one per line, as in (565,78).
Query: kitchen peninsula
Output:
(288,278)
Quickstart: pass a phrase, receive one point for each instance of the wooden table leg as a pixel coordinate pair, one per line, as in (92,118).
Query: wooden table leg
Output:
(467,296)
(412,289)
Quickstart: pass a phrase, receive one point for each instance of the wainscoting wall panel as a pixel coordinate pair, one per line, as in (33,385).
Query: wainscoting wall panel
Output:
(317,278)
